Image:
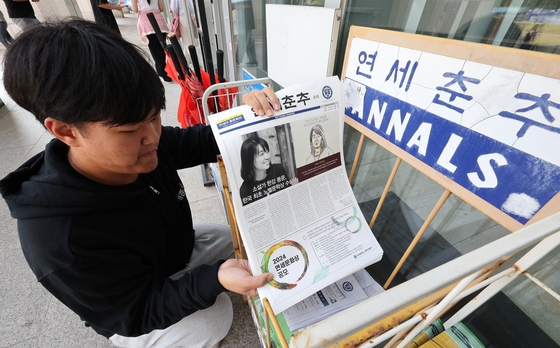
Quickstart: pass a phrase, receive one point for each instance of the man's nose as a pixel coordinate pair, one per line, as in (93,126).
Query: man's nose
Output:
(151,134)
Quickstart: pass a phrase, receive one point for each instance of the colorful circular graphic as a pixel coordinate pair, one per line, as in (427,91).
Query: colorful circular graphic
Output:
(264,266)
(353,224)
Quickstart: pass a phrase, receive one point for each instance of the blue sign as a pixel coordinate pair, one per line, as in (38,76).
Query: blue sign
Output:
(235,119)
(249,88)
(513,181)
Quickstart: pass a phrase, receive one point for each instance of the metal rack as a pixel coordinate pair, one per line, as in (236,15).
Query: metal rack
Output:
(219,171)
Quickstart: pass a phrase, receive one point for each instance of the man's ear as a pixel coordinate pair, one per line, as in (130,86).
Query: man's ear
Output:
(63,131)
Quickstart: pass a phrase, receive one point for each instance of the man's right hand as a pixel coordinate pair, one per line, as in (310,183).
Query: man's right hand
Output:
(235,275)
(261,101)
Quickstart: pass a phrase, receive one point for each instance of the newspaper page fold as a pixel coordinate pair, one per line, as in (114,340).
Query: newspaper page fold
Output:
(296,211)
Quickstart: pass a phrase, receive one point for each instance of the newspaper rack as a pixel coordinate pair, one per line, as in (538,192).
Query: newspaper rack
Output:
(402,311)
(228,205)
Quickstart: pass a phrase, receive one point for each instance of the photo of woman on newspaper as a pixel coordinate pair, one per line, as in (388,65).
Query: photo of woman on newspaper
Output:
(260,176)
(318,144)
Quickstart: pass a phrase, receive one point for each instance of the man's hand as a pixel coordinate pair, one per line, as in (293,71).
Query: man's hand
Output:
(235,275)
(261,101)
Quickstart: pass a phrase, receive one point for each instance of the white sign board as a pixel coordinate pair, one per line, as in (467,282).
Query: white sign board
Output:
(301,42)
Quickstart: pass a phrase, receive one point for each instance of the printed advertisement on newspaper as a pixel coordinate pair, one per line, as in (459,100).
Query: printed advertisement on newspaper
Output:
(296,211)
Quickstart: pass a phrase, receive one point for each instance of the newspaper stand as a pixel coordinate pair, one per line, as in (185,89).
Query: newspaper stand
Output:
(228,204)
(224,187)
(402,311)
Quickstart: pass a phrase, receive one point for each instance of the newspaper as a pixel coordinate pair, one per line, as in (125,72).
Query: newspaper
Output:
(296,211)
(334,298)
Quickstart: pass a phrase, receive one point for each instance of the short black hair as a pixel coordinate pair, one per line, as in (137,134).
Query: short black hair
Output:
(77,71)
(249,150)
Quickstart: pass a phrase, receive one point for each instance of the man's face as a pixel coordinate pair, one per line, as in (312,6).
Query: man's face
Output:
(116,155)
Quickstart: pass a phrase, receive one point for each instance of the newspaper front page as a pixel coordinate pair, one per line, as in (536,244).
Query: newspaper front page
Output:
(296,211)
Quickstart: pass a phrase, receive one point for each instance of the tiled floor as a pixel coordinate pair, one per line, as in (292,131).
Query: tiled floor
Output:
(30,316)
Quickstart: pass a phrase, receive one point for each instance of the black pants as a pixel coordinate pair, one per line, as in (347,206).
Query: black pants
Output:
(246,45)
(5,37)
(157,53)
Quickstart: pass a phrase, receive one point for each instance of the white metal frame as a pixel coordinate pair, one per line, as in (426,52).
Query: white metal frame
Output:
(227,85)
(463,269)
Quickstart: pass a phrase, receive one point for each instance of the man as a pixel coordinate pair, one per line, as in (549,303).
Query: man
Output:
(246,24)
(21,13)
(103,219)
(103,13)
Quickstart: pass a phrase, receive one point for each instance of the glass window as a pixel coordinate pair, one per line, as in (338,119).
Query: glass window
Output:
(539,305)
(523,314)
(249,31)
(457,229)
(523,24)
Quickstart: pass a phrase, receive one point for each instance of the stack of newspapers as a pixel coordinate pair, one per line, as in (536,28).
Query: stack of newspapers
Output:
(334,298)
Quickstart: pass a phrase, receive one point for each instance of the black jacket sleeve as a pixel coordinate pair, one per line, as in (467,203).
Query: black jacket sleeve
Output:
(190,146)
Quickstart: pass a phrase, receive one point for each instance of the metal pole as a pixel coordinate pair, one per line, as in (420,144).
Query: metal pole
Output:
(207,52)
(530,258)
(542,285)
(419,235)
(356,158)
(450,298)
(279,332)
(385,191)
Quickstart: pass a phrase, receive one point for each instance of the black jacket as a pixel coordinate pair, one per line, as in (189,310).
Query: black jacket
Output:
(107,251)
